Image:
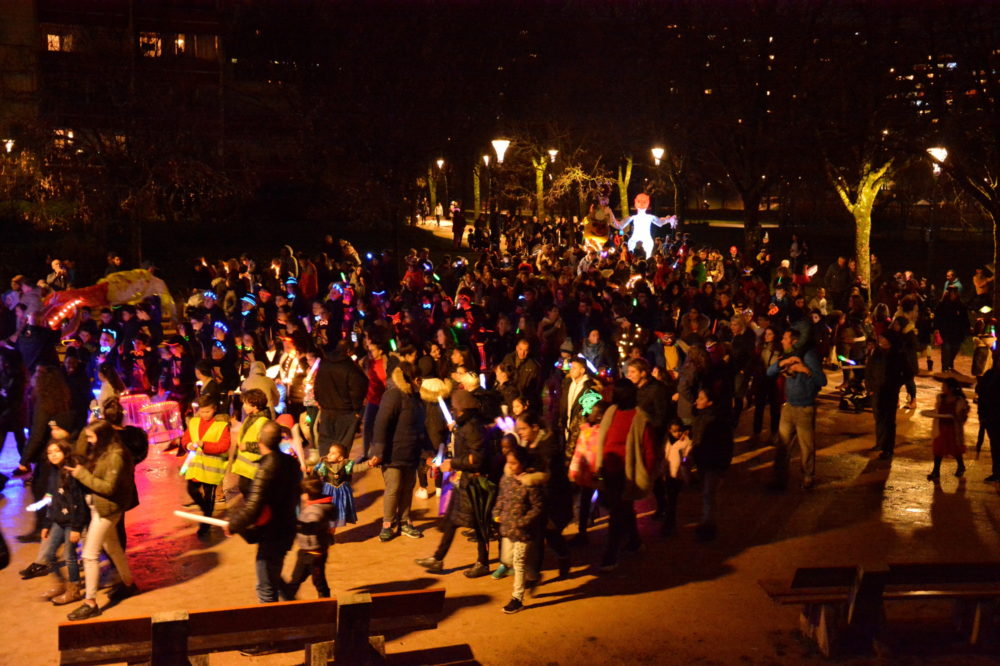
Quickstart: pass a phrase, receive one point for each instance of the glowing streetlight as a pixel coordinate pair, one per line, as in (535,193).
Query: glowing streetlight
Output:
(552,154)
(500,146)
(486,161)
(8,144)
(657,155)
(440,164)
(940,154)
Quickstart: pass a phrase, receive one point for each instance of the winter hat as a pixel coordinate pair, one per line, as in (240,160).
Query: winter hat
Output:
(462,399)
(567,347)
(64,420)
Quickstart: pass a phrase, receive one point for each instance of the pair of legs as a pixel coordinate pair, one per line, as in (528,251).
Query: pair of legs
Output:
(203,494)
(308,563)
(270,558)
(884,404)
(398,497)
(335,427)
(59,535)
(666,491)
(517,555)
(450,528)
(795,422)
(102,535)
(936,472)
(766,398)
(368,431)
(622,527)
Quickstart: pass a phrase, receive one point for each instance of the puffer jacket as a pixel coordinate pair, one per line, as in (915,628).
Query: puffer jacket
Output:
(111,482)
(400,437)
(269,511)
(519,506)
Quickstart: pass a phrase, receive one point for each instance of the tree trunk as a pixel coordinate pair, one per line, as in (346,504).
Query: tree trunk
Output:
(751,222)
(862,244)
(623,181)
(539,165)
(994,213)
(432,188)
(476,195)
(679,196)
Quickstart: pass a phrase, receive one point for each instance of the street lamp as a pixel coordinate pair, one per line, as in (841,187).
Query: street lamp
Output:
(500,146)
(8,144)
(657,155)
(940,154)
(486,161)
(552,155)
(440,164)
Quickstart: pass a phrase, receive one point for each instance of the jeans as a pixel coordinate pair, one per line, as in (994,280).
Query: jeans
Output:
(800,422)
(709,488)
(482,549)
(369,427)
(102,534)
(308,563)
(270,557)
(336,427)
(398,497)
(59,535)
(518,556)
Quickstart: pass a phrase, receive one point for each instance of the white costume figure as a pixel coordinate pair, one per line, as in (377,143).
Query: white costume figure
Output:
(641,224)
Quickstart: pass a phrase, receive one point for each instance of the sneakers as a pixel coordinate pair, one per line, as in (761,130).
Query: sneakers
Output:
(408,530)
(432,564)
(502,572)
(478,570)
(33,570)
(513,606)
(422,493)
(387,534)
(84,612)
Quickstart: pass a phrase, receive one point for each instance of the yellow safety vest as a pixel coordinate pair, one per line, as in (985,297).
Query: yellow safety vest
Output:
(205,467)
(246,461)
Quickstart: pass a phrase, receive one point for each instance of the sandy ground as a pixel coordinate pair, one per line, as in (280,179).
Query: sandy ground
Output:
(676,602)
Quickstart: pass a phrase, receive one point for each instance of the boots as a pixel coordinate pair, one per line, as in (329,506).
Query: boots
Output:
(58,587)
(930,364)
(72,594)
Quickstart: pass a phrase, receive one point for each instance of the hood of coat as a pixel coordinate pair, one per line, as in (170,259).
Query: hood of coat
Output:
(532,478)
(257,368)
(433,388)
(400,381)
(521,477)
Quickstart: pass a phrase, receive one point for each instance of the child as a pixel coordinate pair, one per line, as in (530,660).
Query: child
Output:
(64,521)
(335,472)
(949,427)
(676,450)
(314,536)
(519,511)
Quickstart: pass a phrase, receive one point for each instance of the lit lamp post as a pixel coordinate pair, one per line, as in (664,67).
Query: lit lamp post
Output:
(440,163)
(552,155)
(8,145)
(939,155)
(657,155)
(500,147)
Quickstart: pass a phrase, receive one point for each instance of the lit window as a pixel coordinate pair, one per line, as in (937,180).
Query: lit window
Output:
(179,44)
(64,137)
(55,42)
(150,44)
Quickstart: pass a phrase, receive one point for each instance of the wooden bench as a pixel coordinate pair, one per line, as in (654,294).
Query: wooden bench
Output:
(844,606)
(352,632)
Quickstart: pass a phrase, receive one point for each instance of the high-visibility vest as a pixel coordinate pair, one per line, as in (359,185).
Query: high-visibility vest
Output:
(246,459)
(206,467)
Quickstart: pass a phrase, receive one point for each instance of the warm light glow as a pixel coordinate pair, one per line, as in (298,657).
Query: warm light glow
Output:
(940,154)
(657,155)
(486,160)
(500,146)
(552,154)
(440,164)
(8,145)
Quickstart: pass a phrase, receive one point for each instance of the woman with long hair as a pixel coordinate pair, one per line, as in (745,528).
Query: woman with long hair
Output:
(107,473)
(112,385)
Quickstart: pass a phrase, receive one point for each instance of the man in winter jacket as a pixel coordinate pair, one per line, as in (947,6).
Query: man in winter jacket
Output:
(340,390)
(268,516)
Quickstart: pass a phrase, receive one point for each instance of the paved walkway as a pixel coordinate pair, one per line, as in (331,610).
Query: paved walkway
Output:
(676,602)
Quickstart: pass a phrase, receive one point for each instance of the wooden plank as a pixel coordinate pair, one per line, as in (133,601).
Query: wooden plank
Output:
(170,638)
(353,628)
(291,637)
(98,632)
(133,653)
(319,654)
(263,617)
(410,602)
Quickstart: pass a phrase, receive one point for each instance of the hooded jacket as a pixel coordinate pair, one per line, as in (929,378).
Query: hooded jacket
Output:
(520,505)
(400,435)
(258,379)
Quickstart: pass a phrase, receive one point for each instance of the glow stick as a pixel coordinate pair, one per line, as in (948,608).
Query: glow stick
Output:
(986,309)
(505,423)
(40,504)
(844,359)
(439,458)
(444,410)
(812,270)
(482,380)
(187,462)
(195,518)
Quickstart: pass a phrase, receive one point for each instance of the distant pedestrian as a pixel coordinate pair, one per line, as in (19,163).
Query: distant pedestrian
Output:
(951,410)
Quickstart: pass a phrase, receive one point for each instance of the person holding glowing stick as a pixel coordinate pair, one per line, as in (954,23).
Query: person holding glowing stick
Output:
(207,441)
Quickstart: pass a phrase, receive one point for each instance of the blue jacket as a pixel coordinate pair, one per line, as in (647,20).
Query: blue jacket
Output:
(801,388)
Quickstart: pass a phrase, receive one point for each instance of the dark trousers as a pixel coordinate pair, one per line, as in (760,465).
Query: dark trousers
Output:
(335,427)
(308,563)
(666,491)
(949,350)
(482,549)
(884,404)
(766,397)
(993,430)
(203,495)
(585,506)
(369,427)
(622,527)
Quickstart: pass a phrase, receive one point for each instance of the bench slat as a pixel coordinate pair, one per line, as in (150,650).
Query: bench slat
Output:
(100,631)
(263,617)
(286,637)
(399,604)
(105,654)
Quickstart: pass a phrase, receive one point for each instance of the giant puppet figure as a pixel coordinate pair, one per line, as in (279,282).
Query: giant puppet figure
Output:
(597,225)
(124,287)
(642,224)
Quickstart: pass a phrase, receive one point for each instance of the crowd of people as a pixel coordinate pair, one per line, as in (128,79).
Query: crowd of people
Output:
(509,387)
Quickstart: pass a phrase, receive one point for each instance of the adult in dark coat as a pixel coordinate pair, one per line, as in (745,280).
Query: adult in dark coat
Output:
(267,518)
(527,375)
(339,390)
(712,452)
(471,461)
(988,390)
(951,320)
(885,374)
(399,440)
